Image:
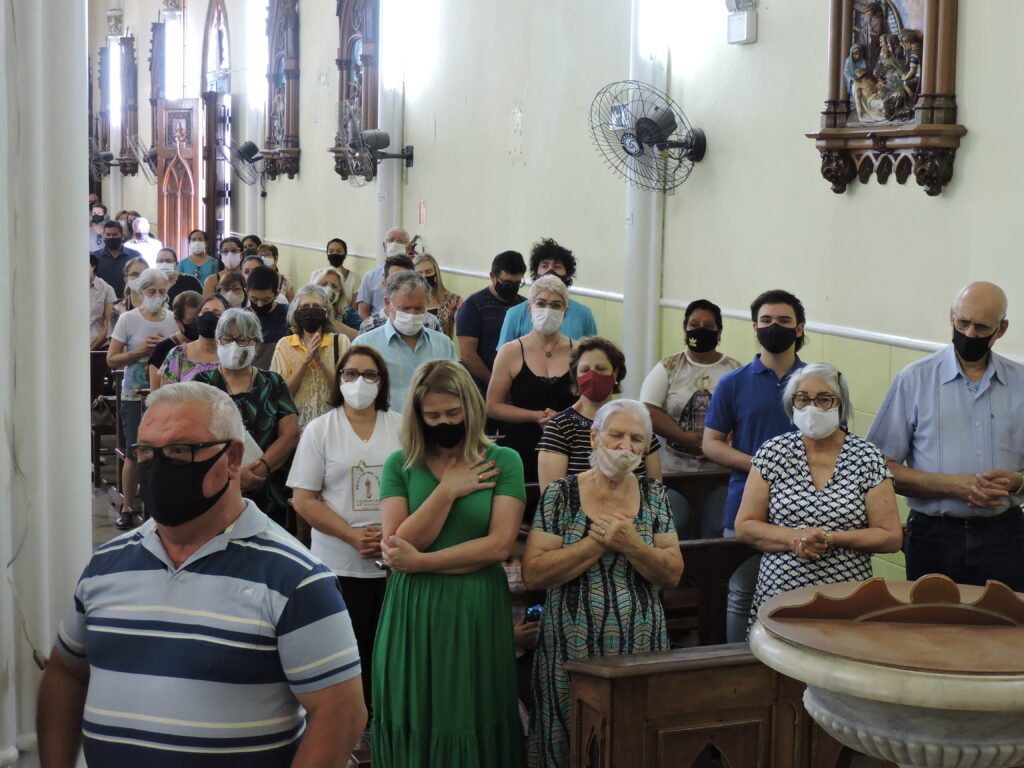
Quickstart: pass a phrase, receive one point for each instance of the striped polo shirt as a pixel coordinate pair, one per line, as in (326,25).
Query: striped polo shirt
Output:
(200,665)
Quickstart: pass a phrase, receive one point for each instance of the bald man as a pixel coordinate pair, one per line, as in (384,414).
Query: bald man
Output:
(371,289)
(951,428)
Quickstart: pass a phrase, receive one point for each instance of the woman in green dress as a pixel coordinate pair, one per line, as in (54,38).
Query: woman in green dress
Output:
(603,544)
(444,678)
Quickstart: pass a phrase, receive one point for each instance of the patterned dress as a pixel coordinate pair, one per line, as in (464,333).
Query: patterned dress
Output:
(795,503)
(447,311)
(606,611)
(177,367)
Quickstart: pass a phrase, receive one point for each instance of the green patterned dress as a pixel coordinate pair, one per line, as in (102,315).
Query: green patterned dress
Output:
(608,610)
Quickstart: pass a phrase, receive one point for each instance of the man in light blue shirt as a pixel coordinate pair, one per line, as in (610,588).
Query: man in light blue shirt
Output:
(370,298)
(951,429)
(403,341)
(548,256)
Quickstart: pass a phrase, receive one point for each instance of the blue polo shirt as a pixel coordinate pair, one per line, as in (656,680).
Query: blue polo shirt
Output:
(748,404)
(578,322)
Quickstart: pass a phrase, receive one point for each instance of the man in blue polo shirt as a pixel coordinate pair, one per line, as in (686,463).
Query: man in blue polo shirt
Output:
(547,256)
(208,636)
(746,409)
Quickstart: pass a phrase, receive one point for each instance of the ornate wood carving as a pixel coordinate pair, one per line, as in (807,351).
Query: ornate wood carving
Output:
(178,171)
(358,41)
(216,98)
(127,160)
(891,101)
(157,72)
(281,153)
(103,113)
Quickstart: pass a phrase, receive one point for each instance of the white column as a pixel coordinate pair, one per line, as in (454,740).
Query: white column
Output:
(389,172)
(45,501)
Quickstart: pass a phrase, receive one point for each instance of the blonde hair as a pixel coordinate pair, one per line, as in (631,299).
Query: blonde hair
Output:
(549,284)
(449,378)
(439,291)
(342,302)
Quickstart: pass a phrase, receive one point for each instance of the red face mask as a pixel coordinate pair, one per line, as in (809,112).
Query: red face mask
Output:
(596,386)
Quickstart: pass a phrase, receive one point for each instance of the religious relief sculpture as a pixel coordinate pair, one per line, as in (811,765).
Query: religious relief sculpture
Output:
(891,101)
(357,88)
(281,153)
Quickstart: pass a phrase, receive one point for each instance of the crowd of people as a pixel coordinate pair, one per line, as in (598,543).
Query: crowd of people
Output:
(403,424)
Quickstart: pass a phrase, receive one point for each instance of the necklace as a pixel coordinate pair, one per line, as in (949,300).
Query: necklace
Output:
(547,352)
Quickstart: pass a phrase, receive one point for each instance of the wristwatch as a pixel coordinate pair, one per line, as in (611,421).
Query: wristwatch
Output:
(830,541)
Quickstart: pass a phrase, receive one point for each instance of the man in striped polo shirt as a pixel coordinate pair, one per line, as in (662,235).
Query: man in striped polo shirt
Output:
(208,636)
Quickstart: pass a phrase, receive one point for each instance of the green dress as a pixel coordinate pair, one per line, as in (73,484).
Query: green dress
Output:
(444,676)
(609,609)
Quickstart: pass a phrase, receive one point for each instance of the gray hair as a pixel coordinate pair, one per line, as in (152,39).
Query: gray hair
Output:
(396,235)
(828,375)
(149,278)
(140,225)
(549,284)
(307,290)
(225,420)
(246,324)
(407,280)
(613,407)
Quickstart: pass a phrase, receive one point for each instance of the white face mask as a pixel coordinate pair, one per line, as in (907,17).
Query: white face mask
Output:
(234,357)
(359,393)
(198,247)
(332,295)
(269,261)
(235,298)
(166,267)
(547,320)
(407,324)
(396,249)
(231,260)
(615,464)
(815,423)
(154,304)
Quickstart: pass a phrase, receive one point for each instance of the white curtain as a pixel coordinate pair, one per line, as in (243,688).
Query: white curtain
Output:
(45,499)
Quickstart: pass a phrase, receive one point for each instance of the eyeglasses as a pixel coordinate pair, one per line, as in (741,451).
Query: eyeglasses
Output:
(351,374)
(225,340)
(823,400)
(542,304)
(175,453)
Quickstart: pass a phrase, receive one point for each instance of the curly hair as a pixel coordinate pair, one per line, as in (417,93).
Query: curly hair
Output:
(547,249)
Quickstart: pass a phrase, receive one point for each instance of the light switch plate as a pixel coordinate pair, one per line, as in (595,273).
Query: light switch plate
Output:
(742,27)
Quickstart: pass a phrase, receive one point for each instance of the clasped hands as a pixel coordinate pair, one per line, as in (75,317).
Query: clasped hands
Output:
(989,489)
(616,532)
(811,544)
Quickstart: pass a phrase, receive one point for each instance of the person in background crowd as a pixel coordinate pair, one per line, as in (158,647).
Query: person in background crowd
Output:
(185,309)
(261,288)
(746,410)
(132,270)
(950,429)
(122,221)
(530,382)
(251,244)
(678,389)
(185,362)
(603,545)
(548,257)
(232,288)
(283,666)
(199,264)
(269,254)
(129,224)
(97,217)
(307,359)
(480,318)
(231,261)
(167,262)
(340,498)
(142,241)
(131,343)
(101,302)
(597,368)
(392,266)
(444,682)
(444,304)
(112,257)
(267,409)
(372,288)
(331,280)
(337,250)
(249,263)
(823,531)
(403,341)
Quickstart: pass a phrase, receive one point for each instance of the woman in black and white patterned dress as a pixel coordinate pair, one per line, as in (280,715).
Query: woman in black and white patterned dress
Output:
(818,502)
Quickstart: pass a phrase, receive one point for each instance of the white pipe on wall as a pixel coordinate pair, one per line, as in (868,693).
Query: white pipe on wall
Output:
(389,172)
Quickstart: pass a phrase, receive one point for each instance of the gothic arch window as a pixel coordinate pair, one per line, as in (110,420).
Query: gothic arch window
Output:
(281,153)
(216,55)
(358,37)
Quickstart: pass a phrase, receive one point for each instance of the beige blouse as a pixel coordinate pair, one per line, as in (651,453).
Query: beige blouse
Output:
(311,399)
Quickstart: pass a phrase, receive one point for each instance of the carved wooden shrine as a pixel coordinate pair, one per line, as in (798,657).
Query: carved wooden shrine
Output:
(281,153)
(358,27)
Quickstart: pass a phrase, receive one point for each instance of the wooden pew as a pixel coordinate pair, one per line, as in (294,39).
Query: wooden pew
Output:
(696,484)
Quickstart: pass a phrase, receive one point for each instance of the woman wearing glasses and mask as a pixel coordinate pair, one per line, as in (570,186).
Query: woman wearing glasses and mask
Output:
(267,409)
(819,501)
(335,478)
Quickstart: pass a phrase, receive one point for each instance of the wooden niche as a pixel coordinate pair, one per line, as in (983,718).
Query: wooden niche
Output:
(128,161)
(891,104)
(281,154)
(358,27)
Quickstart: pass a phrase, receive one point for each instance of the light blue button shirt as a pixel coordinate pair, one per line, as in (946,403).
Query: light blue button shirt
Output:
(371,289)
(935,420)
(402,361)
(578,322)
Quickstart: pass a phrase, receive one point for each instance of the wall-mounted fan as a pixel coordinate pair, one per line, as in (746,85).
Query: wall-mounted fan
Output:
(146,157)
(358,152)
(644,136)
(99,160)
(242,160)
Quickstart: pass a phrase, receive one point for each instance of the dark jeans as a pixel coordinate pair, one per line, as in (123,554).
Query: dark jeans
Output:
(969,552)
(364,599)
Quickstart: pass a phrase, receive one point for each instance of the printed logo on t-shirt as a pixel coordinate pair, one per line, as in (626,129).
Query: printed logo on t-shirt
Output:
(691,417)
(366,487)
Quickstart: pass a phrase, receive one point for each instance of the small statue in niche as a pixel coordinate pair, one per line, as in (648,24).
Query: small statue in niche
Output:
(911,45)
(854,62)
(870,30)
(867,100)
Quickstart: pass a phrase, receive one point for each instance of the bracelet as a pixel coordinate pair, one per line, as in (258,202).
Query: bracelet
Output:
(830,542)
(263,461)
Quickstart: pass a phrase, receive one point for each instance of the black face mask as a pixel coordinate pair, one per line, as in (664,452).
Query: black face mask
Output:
(310,319)
(971,349)
(206,325)
(263,309)
(173,493)
(776,338)
(431,281)
(445,435)
(701,339)
(113,243)
(97,218)
(336,259)
(248,252)
(564,278)
(507,290)
(189,331)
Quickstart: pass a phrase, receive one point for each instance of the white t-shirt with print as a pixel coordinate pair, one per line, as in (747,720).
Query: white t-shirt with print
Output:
(132,329)
(682,388)
(332,459)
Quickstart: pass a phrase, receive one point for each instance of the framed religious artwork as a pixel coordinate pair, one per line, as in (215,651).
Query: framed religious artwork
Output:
(281,152)
(891,103)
